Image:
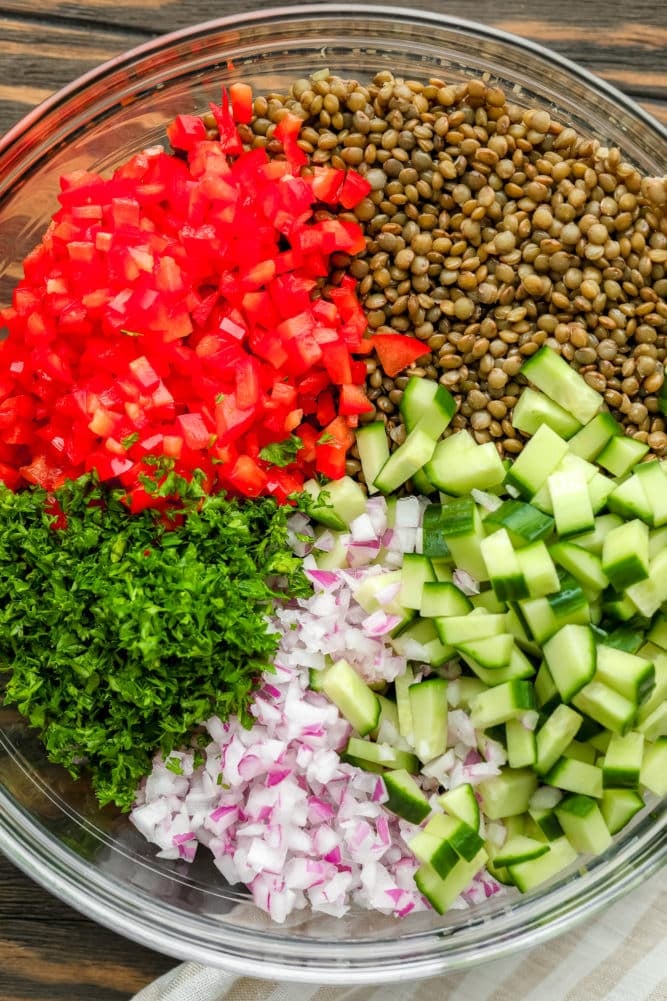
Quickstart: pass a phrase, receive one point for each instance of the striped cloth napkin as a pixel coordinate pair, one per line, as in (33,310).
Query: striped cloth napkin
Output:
(617,955)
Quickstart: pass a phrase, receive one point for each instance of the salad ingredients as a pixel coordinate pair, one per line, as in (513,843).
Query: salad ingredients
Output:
(491,230)
(173,310)
(281,806)
(119,634)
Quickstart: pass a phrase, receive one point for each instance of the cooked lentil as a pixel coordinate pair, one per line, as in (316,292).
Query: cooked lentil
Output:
(492,229)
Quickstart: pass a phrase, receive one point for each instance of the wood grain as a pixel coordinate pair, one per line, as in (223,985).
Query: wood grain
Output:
(48,952)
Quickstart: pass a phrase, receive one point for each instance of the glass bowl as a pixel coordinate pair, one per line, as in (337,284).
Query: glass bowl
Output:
(51,827)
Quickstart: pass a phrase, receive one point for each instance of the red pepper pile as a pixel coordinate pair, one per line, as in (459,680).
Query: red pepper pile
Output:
(172,310)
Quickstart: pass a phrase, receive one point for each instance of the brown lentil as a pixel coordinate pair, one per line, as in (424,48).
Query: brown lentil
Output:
(492,229)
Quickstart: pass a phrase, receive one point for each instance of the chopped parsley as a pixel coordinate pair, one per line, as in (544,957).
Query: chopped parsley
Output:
(282,453)
(119,635)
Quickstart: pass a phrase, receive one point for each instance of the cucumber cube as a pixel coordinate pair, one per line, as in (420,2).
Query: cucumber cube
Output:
(619,806)
(354,699)
(620,454)
(554,376)
(416,570)
(419,641)
(606,706)
(435,852)
(428,704)
(654,767)
(461,802)
(441,893)
(538,570)
(502,566)
(497,705)
(428,404)
(524,522)
(338,503)
(519,849)
(534,409)
(583,824)
(456,467)
(373,447)
(625,558)
(623,760)
(520,743)
(555,735)
(408,458)
(492,652)
(463,838)
(628,674)
(571,502)
(572,775)
(527,875)
(648,595)
(570,656)
(536,462)
(442,598)
(406,798)
(364,751)
(592,438)
(507,794)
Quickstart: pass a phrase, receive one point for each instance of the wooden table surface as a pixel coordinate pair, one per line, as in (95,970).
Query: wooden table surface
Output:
(47,951)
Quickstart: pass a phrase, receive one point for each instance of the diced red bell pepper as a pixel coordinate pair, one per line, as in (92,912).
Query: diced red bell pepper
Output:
(353,400)
(397,351)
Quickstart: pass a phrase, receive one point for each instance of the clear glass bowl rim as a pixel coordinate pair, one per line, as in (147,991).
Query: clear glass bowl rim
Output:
(274,955)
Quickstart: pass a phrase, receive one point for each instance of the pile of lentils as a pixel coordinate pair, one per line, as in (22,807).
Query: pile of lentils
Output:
(492,229)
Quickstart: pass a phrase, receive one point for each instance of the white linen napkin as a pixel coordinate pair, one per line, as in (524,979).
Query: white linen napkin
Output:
(618,955)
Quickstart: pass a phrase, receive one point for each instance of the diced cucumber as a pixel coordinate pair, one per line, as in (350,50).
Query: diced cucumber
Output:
(516,625)
(606,706)
(600,488)
(441,893)
(428,704)
(524,522)
(652,478)
(381,754)
(461,802)
(573,512)
(623,760)
(537,567)
(570,655)
(457,466)
(352,696)
(518,668)
(442,598)
(554,736)
(387,730)
(405,796)
(338,503)
(593,541)
(592,438)
(625,558)
(619,806)
(629,500)
(534,409)
(657,541)
(546,692)
(465,546)
(650,594)
(519,849)
(373,448)
(581,751)
(488,601)
(428,404)
(539,458)
(620,454)
(434,852)
(572,775)
(658,632)
(527,875)
(654,724)
(420,642)
(546,822)
(583,824)
(408,458)
(659,694)
(416,570)
(628,674)
(654,767)
(456,629)
(367,590)
(520,743)
(554,376)
(402,687)
(502,566)
(507,794)
(586,567)
(463,838)
(433,539)
(492,652)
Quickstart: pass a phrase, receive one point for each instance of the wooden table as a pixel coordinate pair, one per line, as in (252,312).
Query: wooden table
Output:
(48,951)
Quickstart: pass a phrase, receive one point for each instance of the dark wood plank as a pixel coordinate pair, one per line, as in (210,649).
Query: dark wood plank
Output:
(49,952)
(44,48)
